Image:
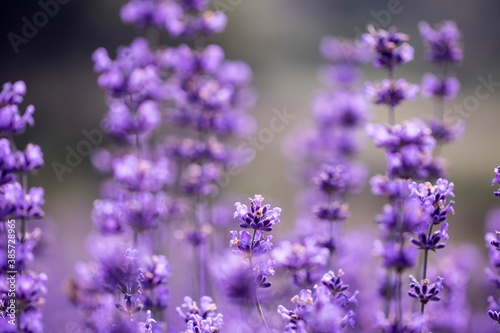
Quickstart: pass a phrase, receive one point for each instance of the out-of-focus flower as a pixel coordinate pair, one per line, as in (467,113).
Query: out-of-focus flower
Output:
(391,92)
(390,46)
(443,42)
(446,88)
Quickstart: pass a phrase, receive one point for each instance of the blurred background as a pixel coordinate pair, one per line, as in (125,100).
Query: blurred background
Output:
(279,39)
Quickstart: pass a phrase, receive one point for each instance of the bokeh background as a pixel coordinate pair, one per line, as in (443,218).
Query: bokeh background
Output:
(279,39)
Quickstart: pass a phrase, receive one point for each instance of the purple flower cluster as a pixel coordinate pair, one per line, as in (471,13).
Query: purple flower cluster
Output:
(390,47)
(493,272)
(408,148)
(390,92)
(303,260)
(202,319)
(496,180)
(424,291)
(260,218)
(19,204)
(184,18)
(326,309)
(443,43)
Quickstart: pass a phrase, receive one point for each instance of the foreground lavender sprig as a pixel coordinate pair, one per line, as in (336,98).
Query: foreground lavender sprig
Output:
(260,218)
(324,309)
(200,319)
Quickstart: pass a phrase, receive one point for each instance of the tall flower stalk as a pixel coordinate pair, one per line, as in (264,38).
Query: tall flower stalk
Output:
(22,290)
(414,209)
(259,219)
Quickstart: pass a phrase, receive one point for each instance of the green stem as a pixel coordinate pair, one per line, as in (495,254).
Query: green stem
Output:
(392,117)
(252,243)
(138,146)
(426,255)
(197,272)
(257,303)
(330,257)
(424,274)
(259,309)
(399,313)
(136,239)
(388,294)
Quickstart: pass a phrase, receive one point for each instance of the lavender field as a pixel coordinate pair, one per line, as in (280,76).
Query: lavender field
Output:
(245,166)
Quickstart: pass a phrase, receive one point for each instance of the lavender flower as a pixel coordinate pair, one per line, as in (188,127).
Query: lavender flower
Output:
(154,291)
(446,88)
(235,279)
(424,242)
(405,216)
(121,272)
(132,305)
(424,291)
(122,121)
(337,211)
(108,216)
(408,148)
(29,295)
(147,326)
(181,18)
(262,270)
(334,283)
(390,188)
(434,197)
(390,47)
(141,175)
(345,51)
(332,179)
(203,318)
(443,42)
(391,92)
(325,311)
(303,260)
(259,217)
(496,180)
(201,179)
(446,132)
(11,121)
(131,75)
(399,257)
(250,246)
(343,108)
